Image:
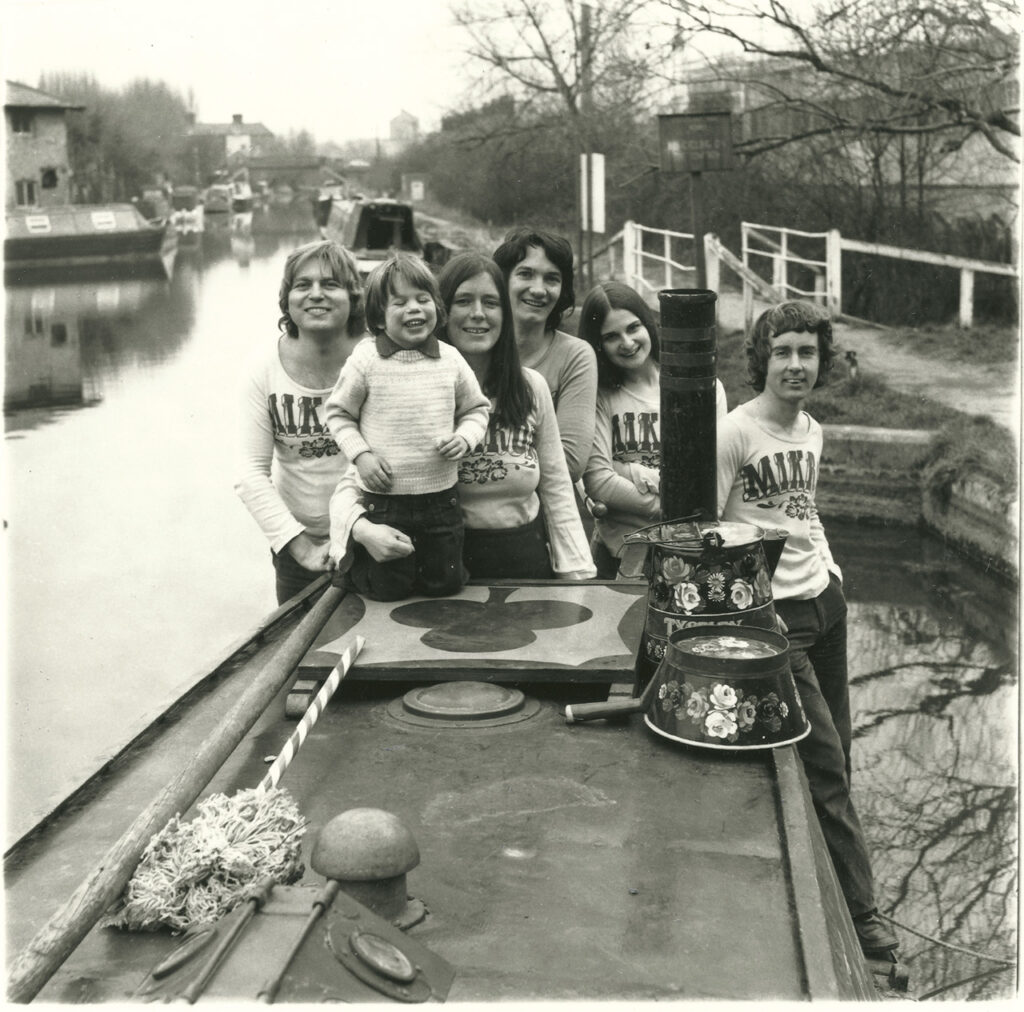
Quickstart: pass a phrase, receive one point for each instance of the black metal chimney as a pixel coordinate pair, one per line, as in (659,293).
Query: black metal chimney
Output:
(689,357)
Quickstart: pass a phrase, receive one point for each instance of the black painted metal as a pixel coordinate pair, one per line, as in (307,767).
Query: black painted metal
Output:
(688,372)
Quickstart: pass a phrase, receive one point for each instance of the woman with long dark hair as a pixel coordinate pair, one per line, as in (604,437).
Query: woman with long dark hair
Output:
(623,472)
(521,520)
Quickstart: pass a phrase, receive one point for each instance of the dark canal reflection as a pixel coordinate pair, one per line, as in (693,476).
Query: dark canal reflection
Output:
(132,562)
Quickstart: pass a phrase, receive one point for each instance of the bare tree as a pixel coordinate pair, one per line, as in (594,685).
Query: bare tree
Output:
(551,57)
(902,68)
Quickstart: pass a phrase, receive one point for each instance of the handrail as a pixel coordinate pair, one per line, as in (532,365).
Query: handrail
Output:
(665,231)
(753,227)
(922,256)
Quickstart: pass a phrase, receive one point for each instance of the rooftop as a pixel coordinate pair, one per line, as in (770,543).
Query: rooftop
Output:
(22,96)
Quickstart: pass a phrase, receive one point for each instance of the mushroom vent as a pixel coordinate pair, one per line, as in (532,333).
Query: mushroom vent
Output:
(461,705)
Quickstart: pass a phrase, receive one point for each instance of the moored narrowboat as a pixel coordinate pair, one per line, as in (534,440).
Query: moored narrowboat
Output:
(76,235)
(556,861)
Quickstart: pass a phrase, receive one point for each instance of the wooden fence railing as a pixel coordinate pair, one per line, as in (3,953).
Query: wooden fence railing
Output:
(654,258)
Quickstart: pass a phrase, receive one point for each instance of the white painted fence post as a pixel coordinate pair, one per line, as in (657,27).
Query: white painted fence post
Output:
(782,284)
(712,263)
(629,253)
(668,260)
(966,297)
(748,290)
(834,271)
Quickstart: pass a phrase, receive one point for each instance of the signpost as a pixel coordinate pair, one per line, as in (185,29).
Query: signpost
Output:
(591,205)
(696,142)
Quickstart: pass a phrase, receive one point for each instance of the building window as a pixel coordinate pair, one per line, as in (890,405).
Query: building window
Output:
(58,335)
(21,121)
(49,179)
(25,192)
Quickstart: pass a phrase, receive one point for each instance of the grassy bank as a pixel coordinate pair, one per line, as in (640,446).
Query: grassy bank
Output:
(985,344)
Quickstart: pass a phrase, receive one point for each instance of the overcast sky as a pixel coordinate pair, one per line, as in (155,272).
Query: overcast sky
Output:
(338,68)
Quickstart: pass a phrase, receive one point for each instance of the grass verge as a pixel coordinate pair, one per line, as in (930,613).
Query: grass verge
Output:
(985,344)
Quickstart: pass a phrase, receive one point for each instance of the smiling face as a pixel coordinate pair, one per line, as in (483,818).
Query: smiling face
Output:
(474,317)
(792,368)
(625,341)
(318,304)
(410,314)
(534,286)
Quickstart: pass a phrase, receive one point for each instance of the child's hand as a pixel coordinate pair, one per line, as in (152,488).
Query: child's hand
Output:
(452,448)
(374,471)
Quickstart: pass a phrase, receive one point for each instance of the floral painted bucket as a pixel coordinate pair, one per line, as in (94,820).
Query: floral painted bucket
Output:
(704,573)
(727,689)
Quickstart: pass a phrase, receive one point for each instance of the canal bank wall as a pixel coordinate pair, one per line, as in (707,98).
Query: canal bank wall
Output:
(875,475)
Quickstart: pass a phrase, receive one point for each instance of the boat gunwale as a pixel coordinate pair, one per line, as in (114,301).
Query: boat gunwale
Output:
(196,685)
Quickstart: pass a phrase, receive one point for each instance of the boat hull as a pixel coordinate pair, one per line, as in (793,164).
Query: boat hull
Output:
(72,238)
(558,862)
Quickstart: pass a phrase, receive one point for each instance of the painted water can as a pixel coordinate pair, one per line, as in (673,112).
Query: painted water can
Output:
(727,689)
(703,573)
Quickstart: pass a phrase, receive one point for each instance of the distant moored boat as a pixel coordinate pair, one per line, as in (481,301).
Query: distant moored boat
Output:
(75,235)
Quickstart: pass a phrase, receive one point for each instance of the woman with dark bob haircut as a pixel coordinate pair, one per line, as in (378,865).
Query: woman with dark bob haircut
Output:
(623,471)
(290,462)
(538,270)
(521,520)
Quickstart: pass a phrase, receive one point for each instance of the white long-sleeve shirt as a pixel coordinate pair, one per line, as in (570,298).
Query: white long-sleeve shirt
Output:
(289,463)
(768,480)
(627,446)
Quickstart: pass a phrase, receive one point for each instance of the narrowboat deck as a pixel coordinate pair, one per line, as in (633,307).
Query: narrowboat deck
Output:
(587,862)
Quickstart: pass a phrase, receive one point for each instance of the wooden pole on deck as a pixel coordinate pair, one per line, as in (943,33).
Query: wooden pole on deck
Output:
(59,937)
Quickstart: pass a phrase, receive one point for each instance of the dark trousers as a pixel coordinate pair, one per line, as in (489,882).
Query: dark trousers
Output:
(817,649)
(433,521)
(290,577)
(513,553)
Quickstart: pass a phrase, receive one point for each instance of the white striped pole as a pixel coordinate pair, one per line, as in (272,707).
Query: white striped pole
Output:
(310,717)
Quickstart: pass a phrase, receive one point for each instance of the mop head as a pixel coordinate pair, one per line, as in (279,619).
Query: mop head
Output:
(192,873)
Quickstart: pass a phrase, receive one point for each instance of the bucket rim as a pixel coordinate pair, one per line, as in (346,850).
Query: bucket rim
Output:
(696,541)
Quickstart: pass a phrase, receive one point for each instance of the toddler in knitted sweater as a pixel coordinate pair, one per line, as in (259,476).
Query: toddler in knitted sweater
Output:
(405,409)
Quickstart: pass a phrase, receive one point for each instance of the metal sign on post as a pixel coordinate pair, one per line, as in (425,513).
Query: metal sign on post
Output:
(696,142)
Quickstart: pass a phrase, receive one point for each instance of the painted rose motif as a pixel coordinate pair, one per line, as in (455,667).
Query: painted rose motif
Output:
(771,710)
(655,650)
(687,597)
(746,713)
(741,594)
(697,705)
(723,696)
(671,696)
(720,723)
(675,569)
(716,586)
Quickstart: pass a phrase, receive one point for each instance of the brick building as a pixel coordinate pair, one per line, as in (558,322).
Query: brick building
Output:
(38,174)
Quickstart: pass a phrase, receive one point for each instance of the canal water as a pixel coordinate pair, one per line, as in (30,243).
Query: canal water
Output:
(131,562)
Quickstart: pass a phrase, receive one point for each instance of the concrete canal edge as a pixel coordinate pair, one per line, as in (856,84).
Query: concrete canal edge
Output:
(877,475)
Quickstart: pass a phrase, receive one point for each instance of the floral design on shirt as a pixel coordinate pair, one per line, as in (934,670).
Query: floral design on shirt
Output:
(322,446)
